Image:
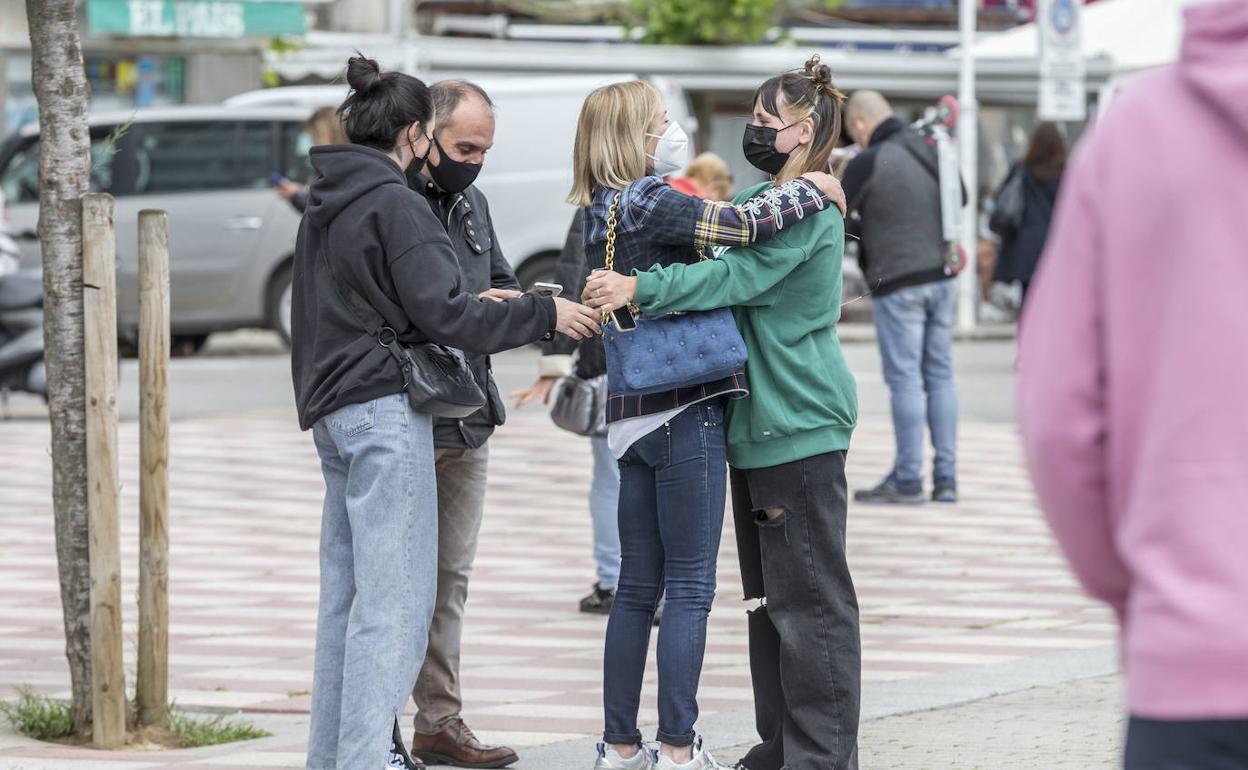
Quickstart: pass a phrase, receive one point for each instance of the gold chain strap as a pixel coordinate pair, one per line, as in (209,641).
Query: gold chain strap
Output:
(610,264)
(615,205)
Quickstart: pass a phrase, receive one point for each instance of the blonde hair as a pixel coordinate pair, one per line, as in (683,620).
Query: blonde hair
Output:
(610,149)
(325,127)
(711,174)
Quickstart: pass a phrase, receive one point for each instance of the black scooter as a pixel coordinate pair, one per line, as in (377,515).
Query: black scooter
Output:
(21,335)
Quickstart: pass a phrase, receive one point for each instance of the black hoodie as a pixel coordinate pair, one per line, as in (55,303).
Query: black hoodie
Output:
(384,242)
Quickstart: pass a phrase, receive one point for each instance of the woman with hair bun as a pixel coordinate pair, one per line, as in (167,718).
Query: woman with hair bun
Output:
(787,439)
(370,247)
(670,445)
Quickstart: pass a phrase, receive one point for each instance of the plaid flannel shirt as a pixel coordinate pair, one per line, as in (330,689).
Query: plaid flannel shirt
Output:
(658,225)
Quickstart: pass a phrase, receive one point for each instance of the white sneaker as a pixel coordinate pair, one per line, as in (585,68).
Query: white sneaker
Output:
(702,760)
(399,758)
(611,760)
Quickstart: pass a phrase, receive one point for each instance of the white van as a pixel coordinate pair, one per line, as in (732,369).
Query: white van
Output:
(528,173)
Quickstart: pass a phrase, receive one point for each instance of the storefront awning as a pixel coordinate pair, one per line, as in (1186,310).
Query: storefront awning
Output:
(925,76)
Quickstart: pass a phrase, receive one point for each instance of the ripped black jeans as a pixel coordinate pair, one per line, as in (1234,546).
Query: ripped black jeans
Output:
(805,650)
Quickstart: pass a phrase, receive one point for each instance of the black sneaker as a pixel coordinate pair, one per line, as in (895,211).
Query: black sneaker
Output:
(399,758)
(888,491)
(599,601)
(945,491)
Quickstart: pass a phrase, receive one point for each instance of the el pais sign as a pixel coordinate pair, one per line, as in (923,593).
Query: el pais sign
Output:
(194,18)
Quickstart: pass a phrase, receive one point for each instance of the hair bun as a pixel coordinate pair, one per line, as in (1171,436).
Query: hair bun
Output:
(818,72)
(820,75)
(363,74)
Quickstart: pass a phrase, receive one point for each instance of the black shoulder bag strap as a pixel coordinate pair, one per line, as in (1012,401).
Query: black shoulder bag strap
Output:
(926,162)
(372,321)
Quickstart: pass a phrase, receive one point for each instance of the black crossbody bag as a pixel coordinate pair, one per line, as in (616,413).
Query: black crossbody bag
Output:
(437,378)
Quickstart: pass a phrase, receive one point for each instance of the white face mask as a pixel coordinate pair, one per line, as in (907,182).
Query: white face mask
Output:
(672,153)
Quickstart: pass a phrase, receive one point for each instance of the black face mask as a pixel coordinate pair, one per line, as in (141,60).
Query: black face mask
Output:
(759,145)
(453,176)
(417,164)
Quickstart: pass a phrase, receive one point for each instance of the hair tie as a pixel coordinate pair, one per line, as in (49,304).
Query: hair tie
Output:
(821,77)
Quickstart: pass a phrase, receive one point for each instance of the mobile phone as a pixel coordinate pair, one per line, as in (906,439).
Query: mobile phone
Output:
(546,289)
(275,179)
(623,320)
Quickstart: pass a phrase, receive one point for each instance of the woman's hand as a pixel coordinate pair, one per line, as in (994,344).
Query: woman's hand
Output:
(498,295)
(287,189)
(576,321)
(831,187)
(540,390)
(607,290)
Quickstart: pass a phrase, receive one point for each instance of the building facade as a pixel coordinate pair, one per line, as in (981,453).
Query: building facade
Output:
(142,53)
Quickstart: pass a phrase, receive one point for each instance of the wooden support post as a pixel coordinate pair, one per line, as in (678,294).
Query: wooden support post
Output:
(99,284)
(152,687)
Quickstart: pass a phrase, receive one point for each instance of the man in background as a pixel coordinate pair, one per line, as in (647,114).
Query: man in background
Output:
(465,133)
(893,186)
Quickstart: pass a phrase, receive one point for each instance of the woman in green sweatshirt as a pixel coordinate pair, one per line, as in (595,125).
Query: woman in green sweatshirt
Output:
(787,441)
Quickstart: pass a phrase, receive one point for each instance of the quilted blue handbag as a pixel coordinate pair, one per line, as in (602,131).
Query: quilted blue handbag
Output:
(672,351)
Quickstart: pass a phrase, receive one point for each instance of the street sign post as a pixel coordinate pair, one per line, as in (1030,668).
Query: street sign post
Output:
(968,144)
(1063,93)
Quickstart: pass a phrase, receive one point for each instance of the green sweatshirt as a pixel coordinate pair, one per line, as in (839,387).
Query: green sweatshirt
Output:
(786,295)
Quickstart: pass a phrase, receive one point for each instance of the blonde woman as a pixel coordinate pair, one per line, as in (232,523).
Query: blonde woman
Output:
(787,440)
(670,446)
(324,127)
(706,176)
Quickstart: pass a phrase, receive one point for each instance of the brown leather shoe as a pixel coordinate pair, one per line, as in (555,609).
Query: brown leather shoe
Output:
(458,747)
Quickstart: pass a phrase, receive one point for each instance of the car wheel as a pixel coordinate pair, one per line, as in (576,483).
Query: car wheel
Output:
(186,345)
(539,267)
(281,291)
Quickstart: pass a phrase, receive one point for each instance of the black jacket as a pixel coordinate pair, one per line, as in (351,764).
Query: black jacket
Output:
(894,188)
(466,217)
(572,271)
(1021,248)
(383,241)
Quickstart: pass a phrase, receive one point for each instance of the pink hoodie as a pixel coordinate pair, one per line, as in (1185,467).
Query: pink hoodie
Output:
(1133,395)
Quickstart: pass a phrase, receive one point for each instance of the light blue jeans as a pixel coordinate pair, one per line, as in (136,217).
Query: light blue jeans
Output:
(604,496)
(379,536)
(914,327)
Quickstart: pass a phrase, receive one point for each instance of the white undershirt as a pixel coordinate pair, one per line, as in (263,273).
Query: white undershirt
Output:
(621,435)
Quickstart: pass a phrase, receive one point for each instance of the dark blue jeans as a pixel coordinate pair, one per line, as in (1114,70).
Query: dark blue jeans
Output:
(1187,745)
(671,514)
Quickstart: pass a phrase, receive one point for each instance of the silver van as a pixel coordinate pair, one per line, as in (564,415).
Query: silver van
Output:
(232,237)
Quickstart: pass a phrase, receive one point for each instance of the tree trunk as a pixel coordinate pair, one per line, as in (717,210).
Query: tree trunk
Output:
(60,86)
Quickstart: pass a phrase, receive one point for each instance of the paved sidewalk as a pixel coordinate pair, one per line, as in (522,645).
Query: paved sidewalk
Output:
(1071,726)
(1075,725)
(943,589)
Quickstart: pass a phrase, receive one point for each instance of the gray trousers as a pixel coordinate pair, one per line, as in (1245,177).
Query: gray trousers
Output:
(461,506)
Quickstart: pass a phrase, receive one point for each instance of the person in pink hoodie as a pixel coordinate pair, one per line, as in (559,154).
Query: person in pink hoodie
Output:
(1133,377)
